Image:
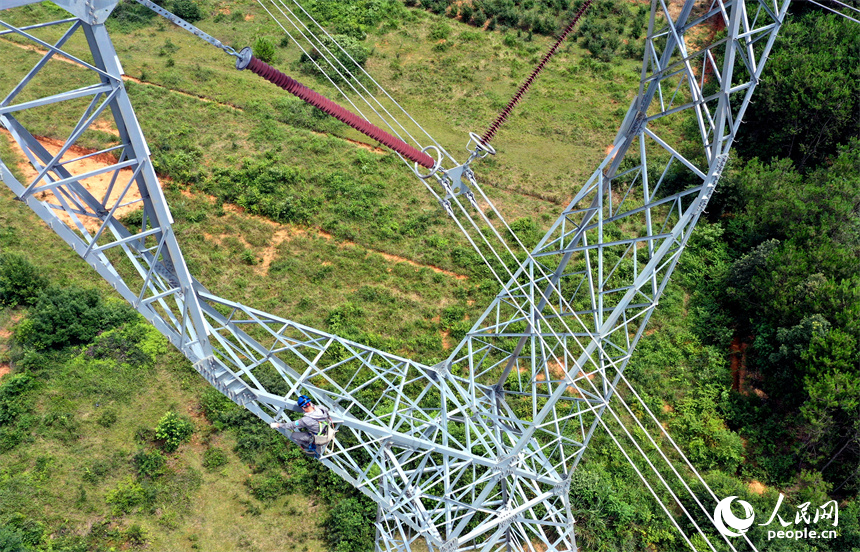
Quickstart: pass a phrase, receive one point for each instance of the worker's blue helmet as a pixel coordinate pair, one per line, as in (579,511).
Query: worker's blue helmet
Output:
(303,401)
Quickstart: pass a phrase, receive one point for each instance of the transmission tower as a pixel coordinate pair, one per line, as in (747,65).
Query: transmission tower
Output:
(476,452)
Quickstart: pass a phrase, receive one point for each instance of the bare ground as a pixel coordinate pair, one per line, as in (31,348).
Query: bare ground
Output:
(97,185)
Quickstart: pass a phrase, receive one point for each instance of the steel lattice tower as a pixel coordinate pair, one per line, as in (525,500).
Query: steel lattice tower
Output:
(475,452)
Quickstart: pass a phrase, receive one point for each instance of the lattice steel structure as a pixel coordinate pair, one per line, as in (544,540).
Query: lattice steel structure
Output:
(475,452)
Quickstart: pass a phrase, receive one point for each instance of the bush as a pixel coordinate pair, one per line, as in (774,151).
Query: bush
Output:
(357,17)
(187,10)
(107,418)
(221,411)
(126,497)
(10,540)
(349,525)
(214,458)
(267,487)
(173,430)
(71,316)
(348,54)
(20,282)
(149,464)
(264,49)
(13,399)
(129,15)
(135,535)
(439,31)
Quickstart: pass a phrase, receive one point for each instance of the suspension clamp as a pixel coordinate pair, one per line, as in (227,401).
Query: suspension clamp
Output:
(447,206)
(454,184)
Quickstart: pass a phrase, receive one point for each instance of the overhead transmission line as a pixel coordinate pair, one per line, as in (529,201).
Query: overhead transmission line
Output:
(837,12)
(308,95)
(485,139)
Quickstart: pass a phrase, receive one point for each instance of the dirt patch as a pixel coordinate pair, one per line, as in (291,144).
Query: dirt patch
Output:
(757,487)
(97,185)
(738,364)
(396,259)
(105,126)
(446,340)
(181,92)
(6,332)
(366,146)
(269,253)
(4,369)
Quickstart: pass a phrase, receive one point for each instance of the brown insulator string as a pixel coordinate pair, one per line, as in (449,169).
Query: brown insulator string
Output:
(485,139)
(319,101)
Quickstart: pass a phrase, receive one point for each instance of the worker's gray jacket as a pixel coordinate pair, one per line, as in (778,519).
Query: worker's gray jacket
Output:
(311,420)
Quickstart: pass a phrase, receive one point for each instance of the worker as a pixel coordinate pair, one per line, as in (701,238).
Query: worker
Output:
(308,427)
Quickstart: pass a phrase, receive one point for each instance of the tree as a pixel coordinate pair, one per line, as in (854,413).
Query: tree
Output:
(809,98)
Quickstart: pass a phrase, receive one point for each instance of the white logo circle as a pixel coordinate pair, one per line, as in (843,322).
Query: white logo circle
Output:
(723,516)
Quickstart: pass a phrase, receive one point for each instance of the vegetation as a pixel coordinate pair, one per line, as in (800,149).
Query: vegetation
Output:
(109,439)
(173,431)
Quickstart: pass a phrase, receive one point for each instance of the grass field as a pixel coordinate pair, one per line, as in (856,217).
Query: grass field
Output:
(366,243)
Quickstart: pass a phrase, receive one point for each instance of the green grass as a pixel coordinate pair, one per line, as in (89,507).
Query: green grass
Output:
(202,118)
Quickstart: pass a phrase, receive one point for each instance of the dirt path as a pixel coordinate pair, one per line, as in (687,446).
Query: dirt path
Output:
(287,232)
(97,185)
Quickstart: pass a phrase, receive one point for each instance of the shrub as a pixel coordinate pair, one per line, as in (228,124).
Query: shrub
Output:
(71,316)
(144,435)
(149,464)
(10,540)
(349,526)
(173,430)
(20,282)
(221,411)
(96,471)
(439,31)
(187,10)
(264,49)
(214,458)
(126,496)
(267,487)
(349,56)
(32,532)
(129,15)
(13,396)
(135,535)
(107,418)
